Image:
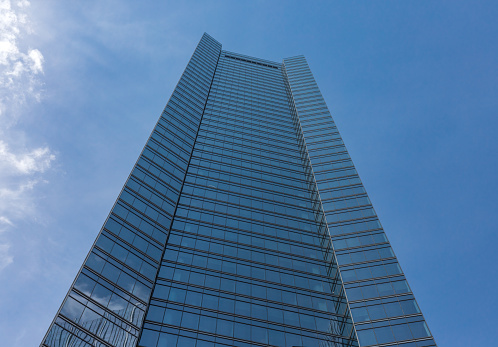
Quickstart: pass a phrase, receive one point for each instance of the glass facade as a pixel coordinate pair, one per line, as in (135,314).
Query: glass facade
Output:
(224,233)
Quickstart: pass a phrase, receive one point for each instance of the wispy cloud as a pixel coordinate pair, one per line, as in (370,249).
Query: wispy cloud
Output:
(21,168)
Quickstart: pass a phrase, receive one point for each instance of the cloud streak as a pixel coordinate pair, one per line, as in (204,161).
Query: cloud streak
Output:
(21,168)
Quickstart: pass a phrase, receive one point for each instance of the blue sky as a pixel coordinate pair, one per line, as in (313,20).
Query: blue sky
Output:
(412,86)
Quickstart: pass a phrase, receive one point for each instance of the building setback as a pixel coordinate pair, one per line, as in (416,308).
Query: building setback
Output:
(243,223)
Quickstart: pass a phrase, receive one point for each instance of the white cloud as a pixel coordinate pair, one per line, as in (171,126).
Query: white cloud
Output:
(21,167)
(36,160)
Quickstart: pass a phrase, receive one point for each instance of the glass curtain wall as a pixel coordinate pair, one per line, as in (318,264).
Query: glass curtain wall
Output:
(246,263)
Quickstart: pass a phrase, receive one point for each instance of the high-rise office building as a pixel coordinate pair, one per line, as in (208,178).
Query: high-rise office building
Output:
(243,223)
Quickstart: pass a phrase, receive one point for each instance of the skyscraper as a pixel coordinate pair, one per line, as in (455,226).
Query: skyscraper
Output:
(243,223)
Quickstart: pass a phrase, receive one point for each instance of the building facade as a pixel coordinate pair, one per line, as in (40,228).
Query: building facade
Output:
(243,223)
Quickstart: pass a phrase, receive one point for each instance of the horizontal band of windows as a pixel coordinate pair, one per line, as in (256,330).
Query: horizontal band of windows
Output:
(273,84)
(137,241)
(147,207)
(197,277)
(303,88)
(252,116)
(345,205)
(380,288)
(245,205)
(324,158)
(248,268)
(247,111)
(305,245)
(302,91)
(207,299)
(149,215)
(340,182)
(140,221)
(231,318)
(231,333)
(360,240)
(378,271)
(199,94)
(350,229)
(179,131)
(256,142)
(299,79)
(124,287)
(309,128)
(121,276)
(338,169)
(212,175)
(235,198)
(78,334)
(163,181)
(232,97)
(227,188)
(220,128)
(307,116)
(372,256)
(249,162)
(149,195)
(145,271)
(159,157)
(254,93)
(234,182)
(148,252)
(239,150)
(342,193)
(222,100)
(314,132)
(320,118)
(178,118)
(243,224)
(170,130)
(264,90)
(302,78)
(314,108)
(247,108)
(326,162)
(254,100)
(157,193)
(330,150)
(185,100)
(117,317)
(245,123)
(247,146)
(302,85)
(348,216)
(166,273)
(250,74)
(247,214)
(390,314)
(326,142)
(246,243)
(171,142)
(234,75)
(307,95)
(328,180)
(279,185)
(106,295)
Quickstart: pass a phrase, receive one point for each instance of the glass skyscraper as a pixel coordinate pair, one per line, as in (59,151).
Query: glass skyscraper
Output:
(243,223)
